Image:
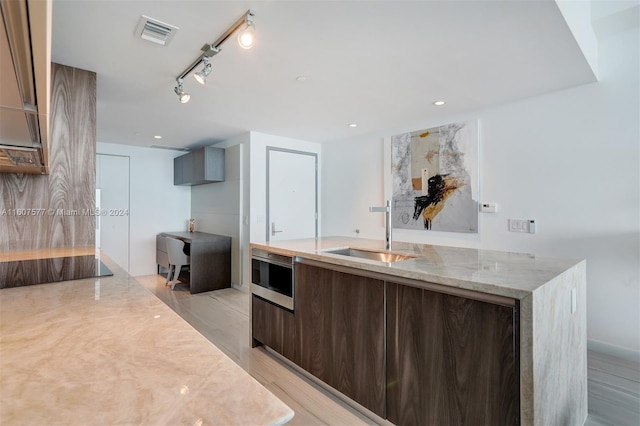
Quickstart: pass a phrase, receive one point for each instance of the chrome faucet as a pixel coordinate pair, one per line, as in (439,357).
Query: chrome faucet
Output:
(387,220)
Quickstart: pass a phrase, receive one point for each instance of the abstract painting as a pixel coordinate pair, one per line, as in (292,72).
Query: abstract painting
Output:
(435,178)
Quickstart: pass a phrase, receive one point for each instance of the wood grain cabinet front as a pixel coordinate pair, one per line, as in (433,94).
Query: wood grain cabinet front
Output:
(450,360)
(274,327)
(340,329)
(412,355)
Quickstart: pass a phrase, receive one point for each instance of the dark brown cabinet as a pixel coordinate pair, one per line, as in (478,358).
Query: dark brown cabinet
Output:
(450,360)
(340,328)
(274,327)
(412,355)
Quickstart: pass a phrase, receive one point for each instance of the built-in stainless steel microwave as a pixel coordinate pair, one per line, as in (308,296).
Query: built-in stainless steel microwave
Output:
(272,277)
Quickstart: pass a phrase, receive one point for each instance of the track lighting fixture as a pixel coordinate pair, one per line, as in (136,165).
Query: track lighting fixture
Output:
(201,76)
(182,95)
(246,38)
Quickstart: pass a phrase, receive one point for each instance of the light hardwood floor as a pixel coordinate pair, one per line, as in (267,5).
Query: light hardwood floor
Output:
(222,316)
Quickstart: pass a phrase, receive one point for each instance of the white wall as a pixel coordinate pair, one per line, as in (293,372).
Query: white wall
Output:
(156,204)
(217,207)
(568,159)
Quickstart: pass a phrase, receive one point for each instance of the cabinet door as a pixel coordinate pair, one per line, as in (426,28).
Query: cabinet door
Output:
(313,288)
(450,360)
(183,169)
(214,164)
(274,327)
(187,169)
(178,164)
(358,340)
(197,166)
(340,325)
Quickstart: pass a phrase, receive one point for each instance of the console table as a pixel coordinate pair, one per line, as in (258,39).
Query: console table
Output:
(210,259)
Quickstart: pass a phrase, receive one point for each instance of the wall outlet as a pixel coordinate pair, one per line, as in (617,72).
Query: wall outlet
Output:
(522,225)
(488,207)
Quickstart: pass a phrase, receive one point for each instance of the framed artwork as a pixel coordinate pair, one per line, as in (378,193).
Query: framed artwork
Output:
(434,176)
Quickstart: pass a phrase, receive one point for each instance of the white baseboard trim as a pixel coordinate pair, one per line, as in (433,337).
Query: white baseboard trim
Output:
(612,350)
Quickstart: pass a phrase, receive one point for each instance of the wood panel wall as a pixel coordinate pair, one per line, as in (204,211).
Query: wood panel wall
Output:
(62,196)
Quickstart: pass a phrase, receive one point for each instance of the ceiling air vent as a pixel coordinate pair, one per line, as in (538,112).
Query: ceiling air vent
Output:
(155,31)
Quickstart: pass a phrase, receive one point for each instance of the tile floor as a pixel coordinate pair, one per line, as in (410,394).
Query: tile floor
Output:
(223,317)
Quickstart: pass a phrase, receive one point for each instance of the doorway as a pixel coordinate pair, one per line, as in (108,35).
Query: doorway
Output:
(292,194)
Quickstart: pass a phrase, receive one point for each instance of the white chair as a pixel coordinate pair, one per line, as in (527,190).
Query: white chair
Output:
(177,259)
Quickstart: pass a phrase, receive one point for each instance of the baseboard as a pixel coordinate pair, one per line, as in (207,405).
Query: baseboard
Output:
(614,351)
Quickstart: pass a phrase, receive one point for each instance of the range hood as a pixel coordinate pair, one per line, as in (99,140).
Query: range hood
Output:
(25,66)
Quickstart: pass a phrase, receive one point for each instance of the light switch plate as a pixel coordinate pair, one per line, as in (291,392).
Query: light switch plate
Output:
(522,225)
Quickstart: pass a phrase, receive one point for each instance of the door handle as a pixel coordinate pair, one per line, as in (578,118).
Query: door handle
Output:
(273,229)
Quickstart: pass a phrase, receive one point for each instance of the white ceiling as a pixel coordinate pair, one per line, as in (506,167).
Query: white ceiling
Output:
(377,64)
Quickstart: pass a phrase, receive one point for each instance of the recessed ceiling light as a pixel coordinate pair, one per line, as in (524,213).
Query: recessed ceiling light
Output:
(353,125)
(301,78)
(157,137)
(439,103)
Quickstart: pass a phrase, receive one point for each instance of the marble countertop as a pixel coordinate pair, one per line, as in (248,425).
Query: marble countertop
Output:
(107,351)
(514,275)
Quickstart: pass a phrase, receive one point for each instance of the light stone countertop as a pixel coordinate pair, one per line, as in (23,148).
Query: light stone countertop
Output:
(107,351)
(514,275)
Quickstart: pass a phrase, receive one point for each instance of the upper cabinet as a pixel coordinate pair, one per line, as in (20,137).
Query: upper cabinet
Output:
(25,66)
(204,165)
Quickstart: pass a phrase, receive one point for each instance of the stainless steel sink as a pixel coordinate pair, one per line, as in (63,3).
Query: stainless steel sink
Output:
(372,255)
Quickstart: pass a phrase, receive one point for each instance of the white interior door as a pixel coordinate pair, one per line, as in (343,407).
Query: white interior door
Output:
(112,179)
(292,199)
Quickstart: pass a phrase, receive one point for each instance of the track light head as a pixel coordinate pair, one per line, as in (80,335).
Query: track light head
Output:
(182,95)
(247,36)
(201,76)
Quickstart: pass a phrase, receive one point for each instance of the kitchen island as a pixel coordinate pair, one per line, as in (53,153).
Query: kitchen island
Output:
(107,351)
(443,336)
